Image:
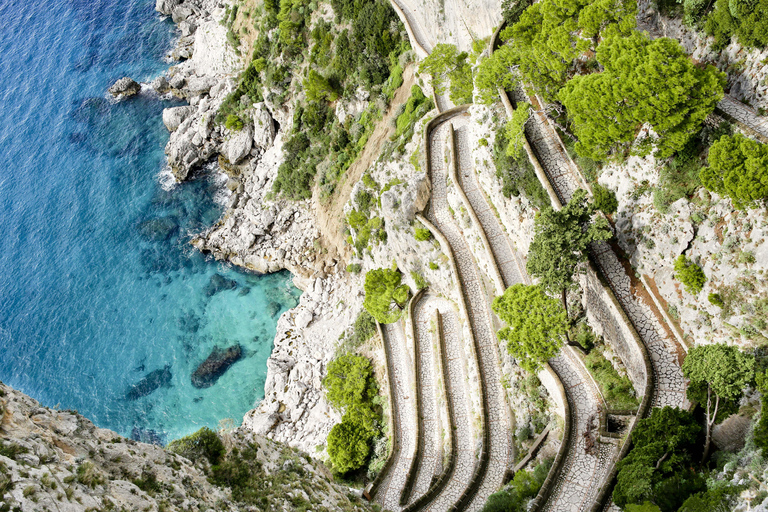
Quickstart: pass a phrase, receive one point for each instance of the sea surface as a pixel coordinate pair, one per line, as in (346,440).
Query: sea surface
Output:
(99,286)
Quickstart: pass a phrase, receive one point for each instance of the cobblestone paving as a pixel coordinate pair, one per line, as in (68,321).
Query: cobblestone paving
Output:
(404,408)
(503,253)
(744,114)
(669,388)
(486,345)
(429,379)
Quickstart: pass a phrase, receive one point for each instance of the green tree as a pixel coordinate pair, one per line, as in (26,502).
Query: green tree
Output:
(690,274)
(447,64)
(560,243)
(515,130)
(643,81)
(662,445)
(348,446)
(645,507)
(349,381)
(317,87)
(535,324)
(738,168)
(760,432)
(498,70)
(725,371)
(382,291)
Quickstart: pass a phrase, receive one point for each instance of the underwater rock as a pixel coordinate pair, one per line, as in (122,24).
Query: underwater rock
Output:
(215,365)
(159,229)
(124,87)
(145,435)
(152,381)
(273,308)
(218,283)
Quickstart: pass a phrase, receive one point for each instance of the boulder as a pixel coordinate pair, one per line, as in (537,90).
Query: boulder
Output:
(174,116)
(166,6)
(160,84)
(125,87)
(215,365)
(177,81)
(218,283)
(262,423)
(200,85)
(238,145)
(263,126)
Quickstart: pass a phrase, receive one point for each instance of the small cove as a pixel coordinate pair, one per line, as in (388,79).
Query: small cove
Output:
(99,286)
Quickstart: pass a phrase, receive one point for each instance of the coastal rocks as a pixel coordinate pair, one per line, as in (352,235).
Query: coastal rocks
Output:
(151,382)
(264,131)
(218,283)
(174,116)
(238,145)
(160,85)
(125,87)
(215,365)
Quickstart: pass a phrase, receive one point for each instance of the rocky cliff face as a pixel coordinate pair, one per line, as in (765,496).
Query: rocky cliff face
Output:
(58,460)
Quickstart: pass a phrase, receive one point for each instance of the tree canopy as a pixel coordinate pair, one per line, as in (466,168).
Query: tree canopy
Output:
(535,322)
(382,291)
(724,370)
(349,381)
(690,274)
(560,243)
(498,70)
(643,81)
(660,458)
(738,168)
(348,446)
(447,64)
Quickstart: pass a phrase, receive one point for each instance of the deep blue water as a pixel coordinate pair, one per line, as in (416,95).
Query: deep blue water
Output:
(98,283)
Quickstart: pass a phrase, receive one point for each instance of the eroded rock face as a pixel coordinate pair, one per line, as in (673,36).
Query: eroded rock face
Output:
(125,87)
(215,365)
(238,145)
(174,116)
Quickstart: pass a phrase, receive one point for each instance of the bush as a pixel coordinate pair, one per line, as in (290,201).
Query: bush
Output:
(354,268)
(516,495)
(423,234)
(690,274)
(348,446)
(746,19)
(421,283)
(204,443)
(716,299)
(605,199)
(617,389)
(234,123)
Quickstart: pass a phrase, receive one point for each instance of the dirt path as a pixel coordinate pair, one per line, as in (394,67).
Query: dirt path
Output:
(329,214)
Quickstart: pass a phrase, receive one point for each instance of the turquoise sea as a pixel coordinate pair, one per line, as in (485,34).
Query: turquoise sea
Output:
(99,286)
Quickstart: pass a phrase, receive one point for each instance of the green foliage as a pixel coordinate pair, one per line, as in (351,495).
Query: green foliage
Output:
(680,177)
(517,174)
(514,130)
(422,234)
(724,368)
(645,507)
(234,123)
(494,72)
(354,268)
(605,199)
(11,450)
(713,500)
(433,265)
(512,9)
(88,475)
(447,64)
(535,324)
(560,243)
(516,495)
(349,382)
(760,431)
(249,87)
(738,168)
(746,19)
(690,274)
(546,39)
(318,88)
(716,299)
(242,473)
(415,108)
(351,387)
(643,81)
(421,283)
(617,389)
(660,456)
(382,291)
(204,443)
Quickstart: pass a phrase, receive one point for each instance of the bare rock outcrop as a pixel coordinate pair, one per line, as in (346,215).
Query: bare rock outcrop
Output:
(125,88)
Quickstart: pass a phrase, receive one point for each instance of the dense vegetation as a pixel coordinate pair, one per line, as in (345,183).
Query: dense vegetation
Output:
(447,64)
(351,388)
(535,324)
(516,495)
(364,55)
(738,168)
(746,19)
(385,297)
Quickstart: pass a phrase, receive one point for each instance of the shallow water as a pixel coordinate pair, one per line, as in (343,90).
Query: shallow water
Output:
(99,285)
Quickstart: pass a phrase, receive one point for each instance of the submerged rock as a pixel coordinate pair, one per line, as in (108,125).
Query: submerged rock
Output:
(218,283)
(152,381)
(159,229)
(125,87)
(215,365)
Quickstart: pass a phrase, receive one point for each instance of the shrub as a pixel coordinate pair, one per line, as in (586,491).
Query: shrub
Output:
(88,475)
(690,274)
(234,123)
(605,199)
(421,283)
(617,389)
(516,495)
(204,443)
(716,299)
(422,234)
(348,446)
(354,268)
(433,265)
